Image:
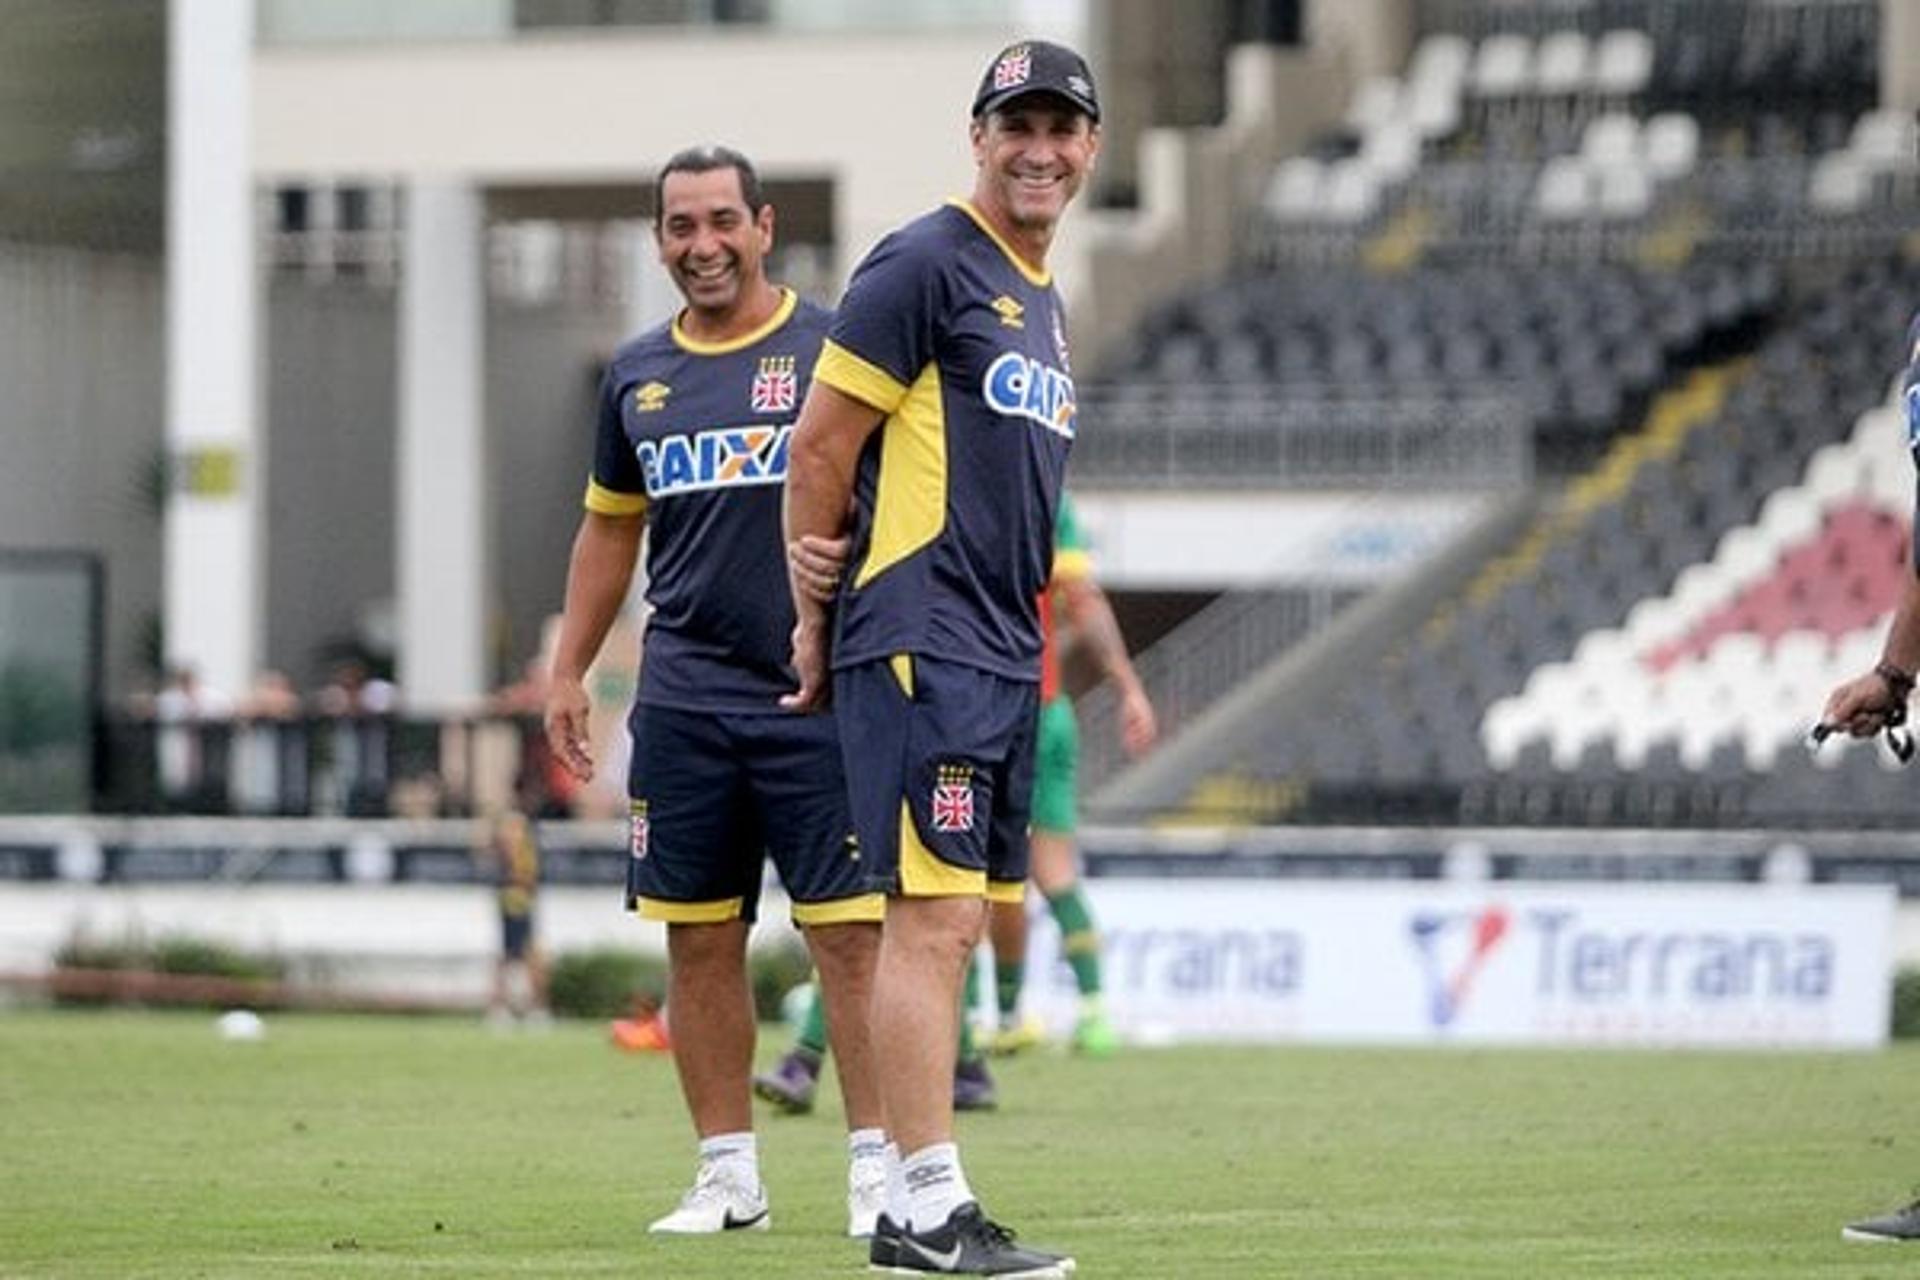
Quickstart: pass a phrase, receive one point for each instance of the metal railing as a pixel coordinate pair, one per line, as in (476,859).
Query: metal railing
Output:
(371,766)
(1202,660)
(1266,435)
(1483,210)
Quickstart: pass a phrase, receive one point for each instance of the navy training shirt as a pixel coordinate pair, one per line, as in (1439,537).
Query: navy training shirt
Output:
(963,347)
(694,435)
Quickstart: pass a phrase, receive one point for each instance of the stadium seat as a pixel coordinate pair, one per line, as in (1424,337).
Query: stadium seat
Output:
(1293,194)
(1622,65)
(1562,66)
(1502,66)
(1565,190)
(1839,184)
(1670,144)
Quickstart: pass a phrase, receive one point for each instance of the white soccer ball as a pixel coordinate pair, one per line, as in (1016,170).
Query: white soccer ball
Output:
(241,1024)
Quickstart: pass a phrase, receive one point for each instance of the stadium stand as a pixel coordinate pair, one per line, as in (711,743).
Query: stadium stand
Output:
(1651,647)
(1696,308)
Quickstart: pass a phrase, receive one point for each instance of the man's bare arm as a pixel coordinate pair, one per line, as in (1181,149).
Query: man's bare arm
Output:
(821,459)
(598,575)
(1091,614)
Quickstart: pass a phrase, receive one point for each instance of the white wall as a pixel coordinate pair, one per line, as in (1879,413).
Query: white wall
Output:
(885,115)
(1148,540)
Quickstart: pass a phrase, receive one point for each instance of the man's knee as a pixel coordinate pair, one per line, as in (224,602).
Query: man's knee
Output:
(941,928)
(707,945)
(843,944)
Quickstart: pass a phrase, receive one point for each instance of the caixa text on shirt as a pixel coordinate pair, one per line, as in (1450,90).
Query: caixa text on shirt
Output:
(1022,387)
(714,459)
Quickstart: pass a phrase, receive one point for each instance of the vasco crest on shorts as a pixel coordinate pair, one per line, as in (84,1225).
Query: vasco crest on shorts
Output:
(637,829)
(953,798)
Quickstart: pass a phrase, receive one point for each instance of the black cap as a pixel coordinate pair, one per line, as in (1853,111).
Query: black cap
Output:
(1036,66)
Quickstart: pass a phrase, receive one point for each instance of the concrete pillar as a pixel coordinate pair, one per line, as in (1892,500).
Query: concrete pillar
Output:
(213,532)
(1900,54)
(1362,37)
(442,570)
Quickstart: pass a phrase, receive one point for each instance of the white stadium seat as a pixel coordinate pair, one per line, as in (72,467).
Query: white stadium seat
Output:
(1561,69)
(1840,184)
(1565,190)
(1376,102)
(1502,66)
(1611,139)
(1622,63)
(1293,193)
(1670,144)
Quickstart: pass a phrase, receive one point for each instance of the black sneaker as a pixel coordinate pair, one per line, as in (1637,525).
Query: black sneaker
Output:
(1901,1224)
(965,1244)
(884,1245)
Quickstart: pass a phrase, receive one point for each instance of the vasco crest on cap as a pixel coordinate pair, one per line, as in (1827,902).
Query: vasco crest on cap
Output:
(1014,68)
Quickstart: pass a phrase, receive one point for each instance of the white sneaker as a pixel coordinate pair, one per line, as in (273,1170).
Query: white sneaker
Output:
(720,1200)
(866,1195)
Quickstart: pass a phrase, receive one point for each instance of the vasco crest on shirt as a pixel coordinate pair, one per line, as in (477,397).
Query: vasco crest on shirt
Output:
(776,386)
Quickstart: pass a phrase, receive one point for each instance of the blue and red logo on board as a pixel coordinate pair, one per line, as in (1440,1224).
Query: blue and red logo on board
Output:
(1453,947)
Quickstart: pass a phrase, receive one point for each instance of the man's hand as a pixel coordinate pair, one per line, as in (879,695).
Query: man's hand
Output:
(810,666)
(1139,728)
(566,720)
(1861,707)
(817,563)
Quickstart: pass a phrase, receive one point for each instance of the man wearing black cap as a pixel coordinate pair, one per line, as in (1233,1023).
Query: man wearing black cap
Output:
(951,341)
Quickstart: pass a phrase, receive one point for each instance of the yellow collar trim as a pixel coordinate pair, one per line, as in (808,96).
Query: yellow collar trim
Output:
(1040,278)
(781,314)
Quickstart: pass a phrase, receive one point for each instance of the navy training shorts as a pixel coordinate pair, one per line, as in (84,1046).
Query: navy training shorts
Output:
(713,794)
(939,764)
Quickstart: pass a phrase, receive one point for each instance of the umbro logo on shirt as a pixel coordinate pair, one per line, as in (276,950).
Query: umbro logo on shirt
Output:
(651,397)
(1009,311)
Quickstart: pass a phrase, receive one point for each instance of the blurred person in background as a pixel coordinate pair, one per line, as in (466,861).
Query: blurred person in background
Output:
(941,415)
(692,448)
(359,704)
(1056,861)
(791,1083)
(1876,701)
(512,854)
(270,757)
(183,711)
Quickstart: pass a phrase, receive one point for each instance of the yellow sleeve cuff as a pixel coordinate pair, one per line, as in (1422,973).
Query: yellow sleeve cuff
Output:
(1072,565)
(612,502)
(868,383)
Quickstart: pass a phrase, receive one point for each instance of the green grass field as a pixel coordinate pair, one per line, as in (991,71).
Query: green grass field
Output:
(142,1145)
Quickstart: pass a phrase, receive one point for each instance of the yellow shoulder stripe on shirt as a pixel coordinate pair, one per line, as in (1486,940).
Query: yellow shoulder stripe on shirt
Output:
(612,502)
(868,383)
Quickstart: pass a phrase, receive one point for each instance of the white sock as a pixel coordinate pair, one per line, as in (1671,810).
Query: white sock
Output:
(897,1207)
(866,1144)
(935,1184)
(739,1153)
